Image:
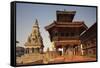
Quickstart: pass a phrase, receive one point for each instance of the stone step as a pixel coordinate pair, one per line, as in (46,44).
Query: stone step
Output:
(28,58)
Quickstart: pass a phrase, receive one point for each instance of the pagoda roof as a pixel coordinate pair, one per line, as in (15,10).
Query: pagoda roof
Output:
(65,12)
(66,24)
(90,32)
(67,15)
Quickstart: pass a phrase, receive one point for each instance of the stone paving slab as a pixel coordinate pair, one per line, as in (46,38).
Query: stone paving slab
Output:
(61,59)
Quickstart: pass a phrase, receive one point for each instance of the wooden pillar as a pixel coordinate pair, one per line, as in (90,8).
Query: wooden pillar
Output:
(26,50)
(73,50)
(82,50)
(29,50)
(63,50)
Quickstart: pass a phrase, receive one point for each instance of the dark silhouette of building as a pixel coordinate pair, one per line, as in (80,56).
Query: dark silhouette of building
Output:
(88,40)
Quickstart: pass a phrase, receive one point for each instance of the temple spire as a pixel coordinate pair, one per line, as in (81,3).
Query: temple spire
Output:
(35,40)
(36,22)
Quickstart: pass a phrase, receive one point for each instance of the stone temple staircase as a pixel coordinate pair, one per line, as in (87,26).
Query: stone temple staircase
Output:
(30,58)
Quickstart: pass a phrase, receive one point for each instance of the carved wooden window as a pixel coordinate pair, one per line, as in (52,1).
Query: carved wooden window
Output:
(62,33)
(67,34)
(72,34)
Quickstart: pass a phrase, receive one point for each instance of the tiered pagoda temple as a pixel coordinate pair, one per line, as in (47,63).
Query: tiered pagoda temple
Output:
(65,33)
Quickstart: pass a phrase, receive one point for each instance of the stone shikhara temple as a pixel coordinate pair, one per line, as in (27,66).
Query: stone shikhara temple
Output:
(33,48)
(65,33)
(34,42)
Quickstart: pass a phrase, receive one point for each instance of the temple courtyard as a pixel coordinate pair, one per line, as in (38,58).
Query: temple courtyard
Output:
(72,59)
(46,59)
(71,41)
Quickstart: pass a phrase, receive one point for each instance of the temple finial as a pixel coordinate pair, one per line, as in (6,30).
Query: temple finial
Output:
(36,22)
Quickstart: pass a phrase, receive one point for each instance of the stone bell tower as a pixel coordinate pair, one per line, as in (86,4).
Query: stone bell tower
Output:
(34,42)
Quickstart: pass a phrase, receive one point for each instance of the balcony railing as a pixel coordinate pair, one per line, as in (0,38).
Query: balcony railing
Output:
(65,38)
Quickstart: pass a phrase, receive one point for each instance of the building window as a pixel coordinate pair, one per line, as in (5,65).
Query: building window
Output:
(72,34)
(67,34)
(89,52)
(33,39)
(62,34)
(94,51)
(56,33)
(93,41)
(38,50)
(88,44)
(27,50)
(32,50)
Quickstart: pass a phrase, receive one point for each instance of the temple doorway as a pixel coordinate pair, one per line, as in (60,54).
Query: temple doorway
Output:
(69,50)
